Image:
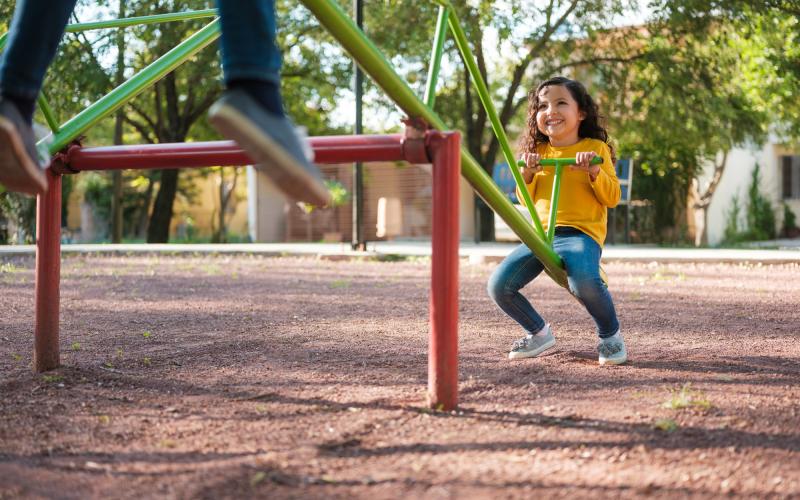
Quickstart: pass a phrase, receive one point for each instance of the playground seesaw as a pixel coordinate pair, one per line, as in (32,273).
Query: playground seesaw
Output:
(431,142)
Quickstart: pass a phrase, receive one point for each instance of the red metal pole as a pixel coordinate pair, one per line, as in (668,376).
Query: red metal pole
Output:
(48,273)
(329,149)
(445,151)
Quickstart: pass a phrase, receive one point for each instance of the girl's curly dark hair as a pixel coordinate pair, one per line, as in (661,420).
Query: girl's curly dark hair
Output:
(592,126)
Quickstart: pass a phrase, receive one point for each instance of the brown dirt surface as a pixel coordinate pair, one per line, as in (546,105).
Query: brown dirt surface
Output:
(213,376)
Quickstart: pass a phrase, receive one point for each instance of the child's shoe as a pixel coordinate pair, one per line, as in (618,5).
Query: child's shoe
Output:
(531,346)
(612,350)
(272,142)
(19,165)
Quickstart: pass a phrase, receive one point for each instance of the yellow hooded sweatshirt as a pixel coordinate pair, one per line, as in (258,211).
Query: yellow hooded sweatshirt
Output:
(582,203)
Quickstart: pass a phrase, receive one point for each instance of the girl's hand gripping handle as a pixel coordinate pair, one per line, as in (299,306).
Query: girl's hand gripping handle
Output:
(530,166)
(589,162)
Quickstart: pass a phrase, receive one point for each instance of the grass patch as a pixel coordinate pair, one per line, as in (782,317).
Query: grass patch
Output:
(665,425)
(393,257)
(211,269)
(340,284)
(9,268)
(686,397)
(52,379)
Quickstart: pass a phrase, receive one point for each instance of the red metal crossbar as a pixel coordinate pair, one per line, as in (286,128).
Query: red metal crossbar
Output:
(330,149)
(440,148)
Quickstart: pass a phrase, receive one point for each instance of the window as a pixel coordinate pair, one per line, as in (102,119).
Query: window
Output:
(790,168)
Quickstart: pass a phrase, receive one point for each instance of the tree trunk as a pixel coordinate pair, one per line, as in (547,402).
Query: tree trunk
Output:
(158,231)
(700,214)
(141,226)
(699,203)
(485,220)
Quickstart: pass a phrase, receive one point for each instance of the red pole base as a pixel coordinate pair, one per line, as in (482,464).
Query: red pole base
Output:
(445,151)
(48,275)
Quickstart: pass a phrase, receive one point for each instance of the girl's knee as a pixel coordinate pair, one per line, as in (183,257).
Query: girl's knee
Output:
(498,288)
(494,287)
(586,286)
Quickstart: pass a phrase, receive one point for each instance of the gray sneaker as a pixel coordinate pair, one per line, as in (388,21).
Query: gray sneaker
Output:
(19,168)
(531,346)
(272,142)
(612,350)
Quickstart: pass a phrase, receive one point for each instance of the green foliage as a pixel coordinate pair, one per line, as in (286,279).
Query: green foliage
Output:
(760,214)
(339,194)
(789,221)
(682,103)
(96,188)
(53,379)
(665,425)
(18,212)
(732,235)
(676,91)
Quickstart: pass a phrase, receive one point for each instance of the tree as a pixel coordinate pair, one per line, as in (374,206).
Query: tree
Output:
(714,76)
(531,44)
(172,110)
(226,192)
(675,109)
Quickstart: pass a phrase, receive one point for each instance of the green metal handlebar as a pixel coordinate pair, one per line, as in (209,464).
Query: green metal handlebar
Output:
(557,162)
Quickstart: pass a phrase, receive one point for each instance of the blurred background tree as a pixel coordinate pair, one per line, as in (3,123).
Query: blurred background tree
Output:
(682,82)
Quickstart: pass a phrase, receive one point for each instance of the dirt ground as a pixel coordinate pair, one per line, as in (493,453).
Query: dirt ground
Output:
(244,376)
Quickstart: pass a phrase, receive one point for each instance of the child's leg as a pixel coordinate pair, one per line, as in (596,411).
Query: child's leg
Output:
(251,110)
(516,271)
(33,37)
(581,255)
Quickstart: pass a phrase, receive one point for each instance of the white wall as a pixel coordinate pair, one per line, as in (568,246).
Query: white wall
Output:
(735,182)
(265,208)
(267,220)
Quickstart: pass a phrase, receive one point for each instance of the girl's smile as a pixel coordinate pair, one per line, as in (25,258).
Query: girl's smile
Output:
(558,116)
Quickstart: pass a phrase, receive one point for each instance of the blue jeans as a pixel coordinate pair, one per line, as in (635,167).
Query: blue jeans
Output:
(581,256)
(248,42)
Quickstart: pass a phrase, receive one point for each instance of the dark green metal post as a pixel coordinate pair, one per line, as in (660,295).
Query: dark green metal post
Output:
(436,57)
(358,242)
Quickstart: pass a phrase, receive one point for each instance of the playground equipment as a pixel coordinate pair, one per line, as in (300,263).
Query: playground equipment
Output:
(437,147)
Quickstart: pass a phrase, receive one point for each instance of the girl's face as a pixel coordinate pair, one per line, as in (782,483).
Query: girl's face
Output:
(558,116)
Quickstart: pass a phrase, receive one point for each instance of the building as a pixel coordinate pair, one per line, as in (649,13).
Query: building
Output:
(780,183)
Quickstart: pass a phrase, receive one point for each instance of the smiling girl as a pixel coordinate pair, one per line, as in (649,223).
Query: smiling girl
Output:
(563,122)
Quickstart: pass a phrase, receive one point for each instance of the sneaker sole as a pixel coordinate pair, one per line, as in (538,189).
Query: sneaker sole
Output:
(288,174)
(17,172)
(608,361)
(532,354)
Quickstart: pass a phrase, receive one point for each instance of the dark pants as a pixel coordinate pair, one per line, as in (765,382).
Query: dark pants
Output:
(248,42)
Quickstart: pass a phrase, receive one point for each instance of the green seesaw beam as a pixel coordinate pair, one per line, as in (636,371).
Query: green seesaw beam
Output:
(370,59)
